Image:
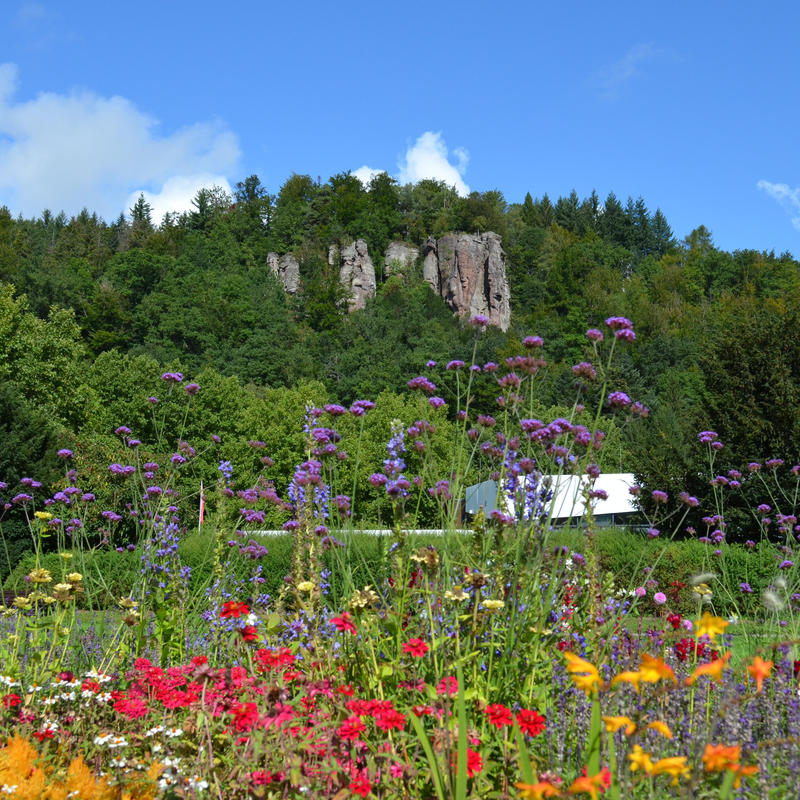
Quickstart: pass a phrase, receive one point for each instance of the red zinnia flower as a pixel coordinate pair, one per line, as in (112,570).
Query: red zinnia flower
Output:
(233,608)
(447,686)
(11,700)
(360,786)
(250,633)
(351,728)
(474,763)
(498,715)
(416,648)
(386,720)
(422,711)
(347,689)
(245,715)
(344,624)
(530,721)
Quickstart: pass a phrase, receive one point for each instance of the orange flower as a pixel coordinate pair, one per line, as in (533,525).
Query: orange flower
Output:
(760,669)
(714,669)
(742,772)
(710,626)
(590,785)
(536,791)
(653,669)
(662,728)
(628,677)
(675,766)
(585,675)
(718,757)
(613,724)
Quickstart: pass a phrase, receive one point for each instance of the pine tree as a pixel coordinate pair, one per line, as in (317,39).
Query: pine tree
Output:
(663,240)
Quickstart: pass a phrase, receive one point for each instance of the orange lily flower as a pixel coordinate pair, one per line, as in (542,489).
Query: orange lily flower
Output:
(653,669)
(742,772)
(711,626)
(675,766)
(760,669)
(590,785)
(628,677)
(718,757)
(714,669)
(585,675)
(613,724)
(536,791)
(661,727)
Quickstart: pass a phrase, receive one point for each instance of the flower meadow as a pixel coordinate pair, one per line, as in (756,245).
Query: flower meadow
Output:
(490,661)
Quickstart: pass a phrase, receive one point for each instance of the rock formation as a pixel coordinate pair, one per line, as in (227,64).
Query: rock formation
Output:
(469,272)
(286,269)
(399,257)
(356,272)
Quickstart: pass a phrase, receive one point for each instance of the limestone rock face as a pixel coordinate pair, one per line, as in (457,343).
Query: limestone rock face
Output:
(356,273)
(399,257)
(286,269)
(469,272)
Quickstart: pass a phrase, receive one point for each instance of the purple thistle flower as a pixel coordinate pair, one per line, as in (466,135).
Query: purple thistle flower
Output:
(192,389)
(660,497)
(490,366)
(706,437)
(625,335)
(177,458)
(21,499)
(111,516)
(31,483)
(152,400)
(618,400)
(479,321)
(530,342)
(335,410)
(133,442)
(746,588)
(619,323)
(172,377)
(65,453)
(436,402)
(594,335)
(122,431)
(455,365)
(215,438)
(88,497)
(430,364)
(787,564)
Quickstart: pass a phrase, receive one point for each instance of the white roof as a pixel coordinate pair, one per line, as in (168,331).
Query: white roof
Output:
(568,495)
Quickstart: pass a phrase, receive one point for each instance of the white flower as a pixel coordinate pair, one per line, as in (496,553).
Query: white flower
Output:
(172,762)
(8,681)
(104,739)
(154,731)
(251,619)
(157,747)
(117,741)
(87,693)
(100,677)
(6,789)
(103,697)
(119,762)
(173,733)
(197,783)
(67,697)
(50,725)
(34,687)
(49,701)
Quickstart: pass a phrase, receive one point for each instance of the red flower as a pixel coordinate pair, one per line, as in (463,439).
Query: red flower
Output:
(351,728)
(131,707)
(422,711)
(416,648)
(198,661)
(11,700)
(674,620)
(344,624)
(360,786)
(474,763)
(530,722)
(245,715)
(42,735)
(233,608)
(498,715)
(347,689)
(447,686)
(386,720)
(249,633)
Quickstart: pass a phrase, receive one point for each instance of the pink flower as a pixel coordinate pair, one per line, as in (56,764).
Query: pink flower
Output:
(660,598)
(640,591)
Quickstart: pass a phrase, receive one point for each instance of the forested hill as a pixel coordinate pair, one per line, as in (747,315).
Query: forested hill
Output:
(717,332)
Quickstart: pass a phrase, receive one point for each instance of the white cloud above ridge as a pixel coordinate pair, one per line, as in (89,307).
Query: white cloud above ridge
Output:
(788,198)
(67,151)
(426,158)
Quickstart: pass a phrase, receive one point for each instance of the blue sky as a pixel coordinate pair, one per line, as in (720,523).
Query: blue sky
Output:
(691,105)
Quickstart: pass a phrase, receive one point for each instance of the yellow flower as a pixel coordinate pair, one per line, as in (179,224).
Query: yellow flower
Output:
(640,760)
(305,586)
(653,669)
(661,727)
(711,626)
(457,595)
(74,577)
(40,576)
(492,605)
(613,724)
(628,677)
(22,602)
(127,602)
(66,556)
(585,675)
(675,766)
(61,591)
(43,515)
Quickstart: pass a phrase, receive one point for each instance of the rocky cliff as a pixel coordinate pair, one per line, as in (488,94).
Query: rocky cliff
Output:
(400,256)
(356,272)
(469,273)
(286,269)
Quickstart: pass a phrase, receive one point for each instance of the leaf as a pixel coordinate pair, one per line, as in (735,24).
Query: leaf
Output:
(461,759)
(432,762)
(524,757)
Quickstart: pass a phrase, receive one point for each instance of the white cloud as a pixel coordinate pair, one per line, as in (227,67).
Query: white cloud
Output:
(365,174)
(66,151)
(788,198)
(177,193)
(428,158)
(610,80)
